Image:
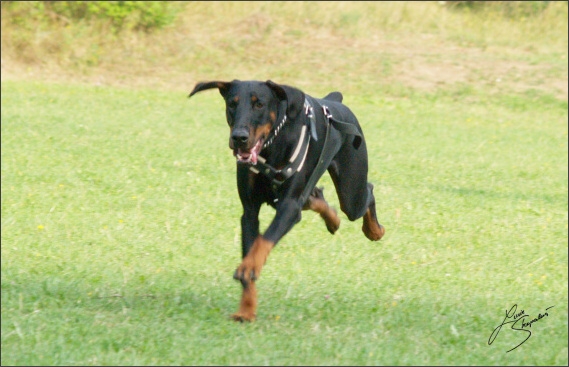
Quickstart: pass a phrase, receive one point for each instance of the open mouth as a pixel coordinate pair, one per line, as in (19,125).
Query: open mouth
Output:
(249,155)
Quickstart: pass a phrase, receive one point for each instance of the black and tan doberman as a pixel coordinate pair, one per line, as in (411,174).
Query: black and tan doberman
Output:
(284,140)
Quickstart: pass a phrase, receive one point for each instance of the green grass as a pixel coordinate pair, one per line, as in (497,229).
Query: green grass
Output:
(120,234)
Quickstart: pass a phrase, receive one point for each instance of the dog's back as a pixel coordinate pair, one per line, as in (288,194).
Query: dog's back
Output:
(334,97)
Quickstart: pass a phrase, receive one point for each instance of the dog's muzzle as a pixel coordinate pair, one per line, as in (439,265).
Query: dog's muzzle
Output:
(240,141)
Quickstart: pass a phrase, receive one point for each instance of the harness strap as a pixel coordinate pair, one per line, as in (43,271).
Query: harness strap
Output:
(309,111)
(296,161)
(344,127)
(331,146)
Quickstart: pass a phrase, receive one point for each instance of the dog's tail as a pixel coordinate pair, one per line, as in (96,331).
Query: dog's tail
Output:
(334,97)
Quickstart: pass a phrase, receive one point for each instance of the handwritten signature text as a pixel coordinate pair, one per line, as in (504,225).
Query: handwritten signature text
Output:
(520,321)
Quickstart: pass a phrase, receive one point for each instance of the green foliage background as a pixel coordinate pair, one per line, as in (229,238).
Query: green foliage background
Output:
(123,15)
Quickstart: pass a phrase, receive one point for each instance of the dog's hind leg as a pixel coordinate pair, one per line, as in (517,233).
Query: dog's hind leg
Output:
(371,227)
(317,203)
(348,171)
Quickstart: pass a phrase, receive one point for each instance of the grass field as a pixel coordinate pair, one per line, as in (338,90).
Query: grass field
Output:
(120,234)
(120,216)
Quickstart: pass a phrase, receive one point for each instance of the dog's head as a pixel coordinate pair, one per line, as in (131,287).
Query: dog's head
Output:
(252,109)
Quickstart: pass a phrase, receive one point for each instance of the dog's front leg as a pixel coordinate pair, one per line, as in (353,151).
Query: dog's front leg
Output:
(249,234)
(247,273)
(288,214)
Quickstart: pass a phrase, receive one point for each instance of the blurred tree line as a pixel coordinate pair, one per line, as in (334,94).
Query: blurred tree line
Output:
(153,15)
(512,9)
(122,15)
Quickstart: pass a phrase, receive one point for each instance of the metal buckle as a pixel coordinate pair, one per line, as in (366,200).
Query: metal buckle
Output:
(326,112)
(308,110)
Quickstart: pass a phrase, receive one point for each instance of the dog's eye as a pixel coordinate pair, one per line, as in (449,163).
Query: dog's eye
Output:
(258,105)
(232,105)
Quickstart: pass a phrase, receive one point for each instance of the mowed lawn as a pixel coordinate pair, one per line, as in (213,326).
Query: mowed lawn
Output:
(120,234)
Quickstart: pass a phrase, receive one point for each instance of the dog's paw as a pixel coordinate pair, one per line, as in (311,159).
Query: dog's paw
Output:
(243,316)
(374,233)
(251,266)
(371,227)
(247,272)
(332,221)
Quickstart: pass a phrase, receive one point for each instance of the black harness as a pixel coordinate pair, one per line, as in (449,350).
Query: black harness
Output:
(297,159)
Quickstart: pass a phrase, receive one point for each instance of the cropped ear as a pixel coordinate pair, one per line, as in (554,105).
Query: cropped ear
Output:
(293,96)
(222,86)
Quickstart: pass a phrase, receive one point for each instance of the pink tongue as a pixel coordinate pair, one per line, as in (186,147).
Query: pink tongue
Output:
(250,156)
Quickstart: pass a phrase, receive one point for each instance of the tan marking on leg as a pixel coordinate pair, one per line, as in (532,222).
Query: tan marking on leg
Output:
(371,228)
(251,266)
(326,212)
(248,305)
(248,272)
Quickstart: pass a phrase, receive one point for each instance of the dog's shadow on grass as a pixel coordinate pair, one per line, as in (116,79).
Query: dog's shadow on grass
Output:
(185,303)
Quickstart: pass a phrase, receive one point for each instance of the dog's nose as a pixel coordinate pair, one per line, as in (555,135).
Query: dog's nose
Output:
(240,137)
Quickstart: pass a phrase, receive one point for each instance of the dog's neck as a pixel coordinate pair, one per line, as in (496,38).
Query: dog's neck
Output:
(292,136)
(282,117)
(287,140)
